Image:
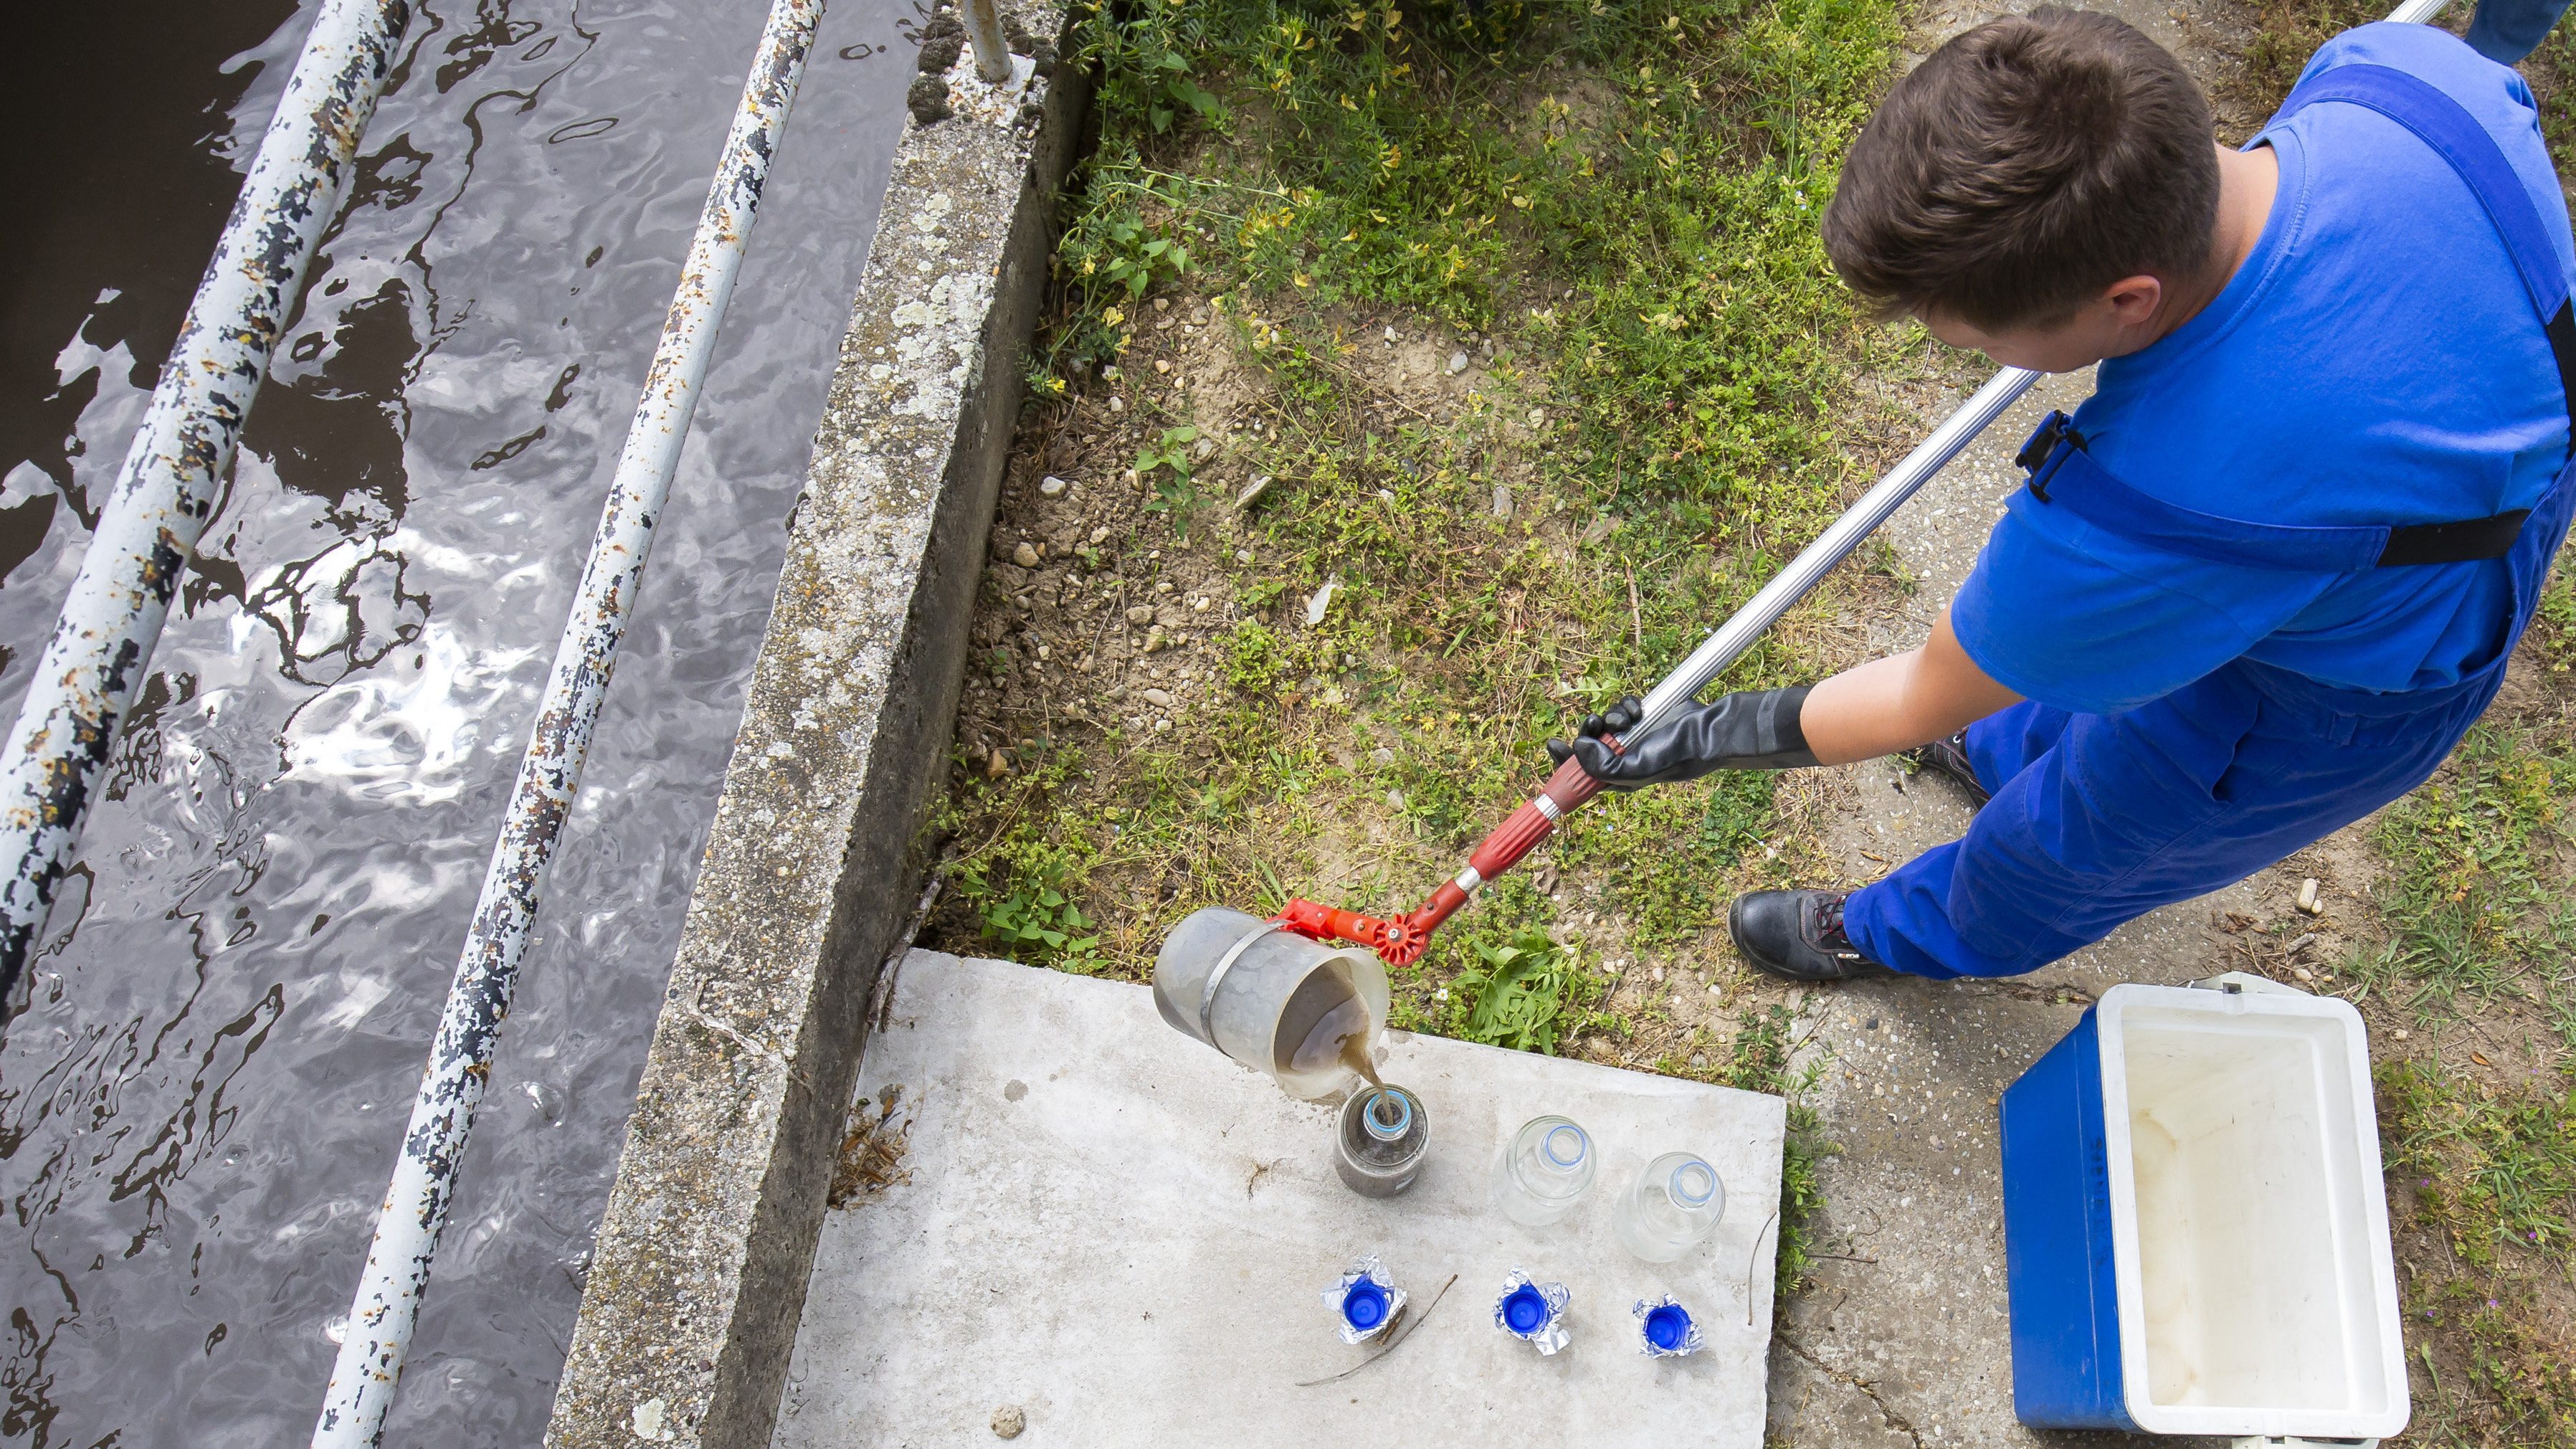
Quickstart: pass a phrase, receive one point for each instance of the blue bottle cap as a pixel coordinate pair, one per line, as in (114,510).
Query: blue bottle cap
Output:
(1665,1330)
(1532,1312)
(1667,1326)
(1364,1305)
(1364,1301)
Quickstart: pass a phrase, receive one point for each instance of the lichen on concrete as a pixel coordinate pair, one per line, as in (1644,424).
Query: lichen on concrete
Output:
(701,1261)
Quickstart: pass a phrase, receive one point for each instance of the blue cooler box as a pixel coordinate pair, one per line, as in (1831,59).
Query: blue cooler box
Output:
(2195,1229)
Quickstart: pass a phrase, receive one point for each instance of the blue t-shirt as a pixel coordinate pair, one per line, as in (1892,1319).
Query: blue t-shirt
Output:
(2375,360)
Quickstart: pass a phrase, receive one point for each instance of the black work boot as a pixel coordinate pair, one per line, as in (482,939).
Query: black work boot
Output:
(1798,935)
(1949,758)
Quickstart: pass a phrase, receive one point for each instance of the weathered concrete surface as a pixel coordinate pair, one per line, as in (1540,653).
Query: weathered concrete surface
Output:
(701,1261)
(1073,1214)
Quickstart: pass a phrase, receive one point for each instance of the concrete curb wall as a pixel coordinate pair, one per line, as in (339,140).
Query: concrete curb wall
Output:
(699,1271)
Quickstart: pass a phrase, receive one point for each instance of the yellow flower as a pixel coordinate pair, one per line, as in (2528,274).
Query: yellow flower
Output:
(1113,316)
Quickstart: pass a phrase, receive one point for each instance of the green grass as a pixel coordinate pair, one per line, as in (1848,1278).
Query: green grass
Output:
(1622,200)
(2474,899)
(2493,1172)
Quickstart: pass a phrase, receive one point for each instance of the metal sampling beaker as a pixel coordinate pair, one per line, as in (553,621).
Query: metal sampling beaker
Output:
(1303,1012)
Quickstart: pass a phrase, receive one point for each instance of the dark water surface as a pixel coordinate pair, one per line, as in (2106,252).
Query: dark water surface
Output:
(199,1106)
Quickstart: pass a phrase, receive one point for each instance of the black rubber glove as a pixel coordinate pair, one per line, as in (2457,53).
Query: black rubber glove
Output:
(1748,731)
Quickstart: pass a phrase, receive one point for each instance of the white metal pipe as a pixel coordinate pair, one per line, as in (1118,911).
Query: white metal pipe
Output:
(112,616)
(387,1305)
(992,51)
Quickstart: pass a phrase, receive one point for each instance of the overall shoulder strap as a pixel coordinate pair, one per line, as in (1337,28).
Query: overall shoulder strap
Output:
(2055,455)
(2446,127)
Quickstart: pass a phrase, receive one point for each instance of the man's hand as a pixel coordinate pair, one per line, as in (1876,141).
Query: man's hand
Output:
(1754,731)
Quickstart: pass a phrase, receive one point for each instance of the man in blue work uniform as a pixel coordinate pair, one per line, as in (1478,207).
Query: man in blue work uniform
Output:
(2268,574)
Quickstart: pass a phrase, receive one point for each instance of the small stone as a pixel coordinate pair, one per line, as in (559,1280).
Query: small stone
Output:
(2401,1033)
(1395,799)
(1252,492)
(1199,605)
(996,765)
(1161,725)
(1009,1420)
(1659,974)
(1051,485)
(2303,973)
(1502,500)
(1161,366)
(1099,536)
(1321,600)
(1381,757)
(1162,304)
(1162,586)
(1203,450)
(1390,337)
(1159,698)
(1538,417)
(2311,900)
(1457,363)
(1117,404)
(1699,1061)
(1141,615)
(1026,555)
(1243,555)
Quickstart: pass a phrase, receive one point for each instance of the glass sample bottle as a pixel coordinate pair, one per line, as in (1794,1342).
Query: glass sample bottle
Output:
(1671,1208)
(1543,1171)
(1382,1138)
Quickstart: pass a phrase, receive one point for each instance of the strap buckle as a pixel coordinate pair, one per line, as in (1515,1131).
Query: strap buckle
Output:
(2044,450)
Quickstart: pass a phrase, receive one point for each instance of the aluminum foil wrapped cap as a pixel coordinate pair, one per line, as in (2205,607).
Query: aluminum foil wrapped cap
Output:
(1532,1312)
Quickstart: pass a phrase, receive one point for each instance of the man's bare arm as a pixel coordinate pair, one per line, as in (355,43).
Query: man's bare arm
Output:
(1901,701)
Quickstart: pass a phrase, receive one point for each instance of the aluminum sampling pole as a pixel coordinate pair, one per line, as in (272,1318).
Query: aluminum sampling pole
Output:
(460,1060)
(112,616)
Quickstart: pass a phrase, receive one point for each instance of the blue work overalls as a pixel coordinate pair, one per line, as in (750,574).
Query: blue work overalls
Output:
(2100,818)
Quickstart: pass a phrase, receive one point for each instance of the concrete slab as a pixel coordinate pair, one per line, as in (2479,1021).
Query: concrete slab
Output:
(1087,1218)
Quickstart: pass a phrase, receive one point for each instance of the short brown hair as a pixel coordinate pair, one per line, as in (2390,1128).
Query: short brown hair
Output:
(2025,166)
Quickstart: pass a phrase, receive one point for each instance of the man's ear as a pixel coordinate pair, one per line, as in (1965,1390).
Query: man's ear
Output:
(2133,300)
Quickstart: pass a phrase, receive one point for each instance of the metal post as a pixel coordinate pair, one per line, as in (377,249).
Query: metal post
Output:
(460,1059)
(992,51)
(111,618)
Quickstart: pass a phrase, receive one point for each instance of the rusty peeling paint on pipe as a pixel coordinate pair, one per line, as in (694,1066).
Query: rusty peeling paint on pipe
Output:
(112,616)
(387,1304)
